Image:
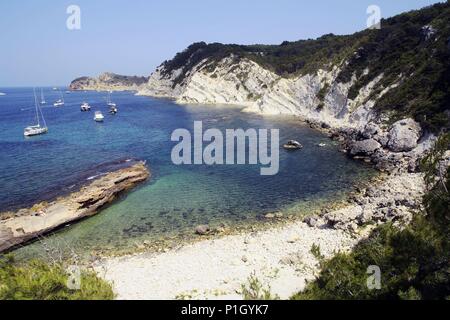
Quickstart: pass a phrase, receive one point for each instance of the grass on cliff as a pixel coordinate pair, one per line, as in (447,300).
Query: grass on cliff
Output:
(414,262)
(37,280)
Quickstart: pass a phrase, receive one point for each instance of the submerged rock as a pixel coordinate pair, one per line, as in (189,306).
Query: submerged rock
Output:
(202,230)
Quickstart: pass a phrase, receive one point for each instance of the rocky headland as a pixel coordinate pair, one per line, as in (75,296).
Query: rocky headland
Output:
(26,224)
(108,82)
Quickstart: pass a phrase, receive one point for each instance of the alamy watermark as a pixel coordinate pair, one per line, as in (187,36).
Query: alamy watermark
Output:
(73,22)
(374,19)
(228,149)
(74,279)
(374,278)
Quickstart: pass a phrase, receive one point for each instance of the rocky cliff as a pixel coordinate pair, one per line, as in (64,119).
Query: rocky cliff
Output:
(380,91)
(108,81)
(377,76)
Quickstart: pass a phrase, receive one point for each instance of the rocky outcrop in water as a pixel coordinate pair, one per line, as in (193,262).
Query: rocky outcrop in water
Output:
(27,224)
(108,82)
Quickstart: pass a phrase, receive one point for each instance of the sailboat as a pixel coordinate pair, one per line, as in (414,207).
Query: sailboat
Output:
(36,129)
(42,97)
(108,100)
(59,102)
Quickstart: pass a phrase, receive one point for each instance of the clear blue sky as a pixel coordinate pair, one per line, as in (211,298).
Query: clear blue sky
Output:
(134,36)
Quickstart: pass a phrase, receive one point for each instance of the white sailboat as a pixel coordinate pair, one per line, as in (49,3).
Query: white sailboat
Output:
(36,129)
(59,102)
(108,100)
(42,97)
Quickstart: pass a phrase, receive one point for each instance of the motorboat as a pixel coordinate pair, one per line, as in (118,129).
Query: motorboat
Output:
(85,107)
(98,117)
(113,110)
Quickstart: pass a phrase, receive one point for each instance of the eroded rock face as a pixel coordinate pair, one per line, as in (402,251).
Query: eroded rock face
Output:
(365,147)
(404,135)
(27,224)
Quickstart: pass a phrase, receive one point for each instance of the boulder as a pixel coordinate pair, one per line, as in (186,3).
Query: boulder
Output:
(370,130)
(365,147)
(202,230)
(404,135)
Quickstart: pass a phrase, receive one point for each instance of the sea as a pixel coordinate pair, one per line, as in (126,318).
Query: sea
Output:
(177,198)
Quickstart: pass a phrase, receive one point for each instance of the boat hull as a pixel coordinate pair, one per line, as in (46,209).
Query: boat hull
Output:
(29,132)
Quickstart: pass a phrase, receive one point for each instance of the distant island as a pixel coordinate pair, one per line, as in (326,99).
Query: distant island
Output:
(108,81)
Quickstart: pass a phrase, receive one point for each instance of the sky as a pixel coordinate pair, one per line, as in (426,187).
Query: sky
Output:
(133,37)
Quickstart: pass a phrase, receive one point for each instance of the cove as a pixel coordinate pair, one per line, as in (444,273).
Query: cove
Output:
(177,198)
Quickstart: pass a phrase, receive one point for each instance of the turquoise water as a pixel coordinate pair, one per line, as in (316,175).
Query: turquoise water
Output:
(177,198)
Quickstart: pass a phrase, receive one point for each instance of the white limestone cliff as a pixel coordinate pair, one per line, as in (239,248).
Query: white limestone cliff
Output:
(243,82)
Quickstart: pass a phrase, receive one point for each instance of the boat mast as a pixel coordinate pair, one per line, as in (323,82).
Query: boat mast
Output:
(36,106)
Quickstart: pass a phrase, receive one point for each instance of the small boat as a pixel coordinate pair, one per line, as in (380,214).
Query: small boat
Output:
(68,92)
(98,117)
(59,103)
(293,145)
(36,129)
(42,97)
(85,107)
(108,100)
(322,145)
(2,94)
(113,110)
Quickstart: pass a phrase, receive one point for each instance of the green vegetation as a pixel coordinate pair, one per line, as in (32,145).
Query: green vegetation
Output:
(255,290)
(415,59)
(37,280)
(414,262)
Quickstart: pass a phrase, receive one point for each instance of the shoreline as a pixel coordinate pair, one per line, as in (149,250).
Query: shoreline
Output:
(279,256)
(279,252)
(27,224)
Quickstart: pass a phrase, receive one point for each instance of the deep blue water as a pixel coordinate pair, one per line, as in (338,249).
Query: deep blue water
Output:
(177,197)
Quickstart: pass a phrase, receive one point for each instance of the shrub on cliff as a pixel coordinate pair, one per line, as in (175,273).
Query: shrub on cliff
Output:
(414,262)
(37,280)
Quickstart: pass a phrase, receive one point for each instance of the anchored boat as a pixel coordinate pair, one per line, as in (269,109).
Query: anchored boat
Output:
(36,129)
(109,101)
(42,97)
(59,102)
(85,107)
(98,117)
